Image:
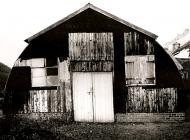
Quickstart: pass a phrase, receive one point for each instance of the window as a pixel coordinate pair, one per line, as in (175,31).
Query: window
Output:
(140,70)
(44,72)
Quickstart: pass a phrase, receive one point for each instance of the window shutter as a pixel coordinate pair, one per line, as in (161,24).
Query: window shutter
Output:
(140,70)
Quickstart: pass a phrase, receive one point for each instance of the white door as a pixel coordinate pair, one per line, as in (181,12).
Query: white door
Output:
(103,97)
(82,97)
(93,96)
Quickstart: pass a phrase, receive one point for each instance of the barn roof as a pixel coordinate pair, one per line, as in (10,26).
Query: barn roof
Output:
(90,6)
(176,62)
(185,46)
(179,66)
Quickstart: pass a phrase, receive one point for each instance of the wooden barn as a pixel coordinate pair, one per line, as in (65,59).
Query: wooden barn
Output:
(92,66)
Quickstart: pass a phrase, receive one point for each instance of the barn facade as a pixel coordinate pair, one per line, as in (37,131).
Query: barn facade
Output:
(93,67)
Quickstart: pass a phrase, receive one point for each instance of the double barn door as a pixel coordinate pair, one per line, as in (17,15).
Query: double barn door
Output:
(93,96)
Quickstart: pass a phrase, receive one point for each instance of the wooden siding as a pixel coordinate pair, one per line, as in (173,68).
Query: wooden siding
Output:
(91,46)
(44,101)
(137,44)
(140,70)
(65,83)
(151,100)
(90,66)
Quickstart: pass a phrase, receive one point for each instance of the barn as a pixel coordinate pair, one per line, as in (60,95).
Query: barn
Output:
(92,66)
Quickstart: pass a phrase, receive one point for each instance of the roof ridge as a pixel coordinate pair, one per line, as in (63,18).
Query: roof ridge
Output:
(87,6)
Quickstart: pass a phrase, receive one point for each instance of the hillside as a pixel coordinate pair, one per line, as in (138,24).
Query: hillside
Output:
(4,73)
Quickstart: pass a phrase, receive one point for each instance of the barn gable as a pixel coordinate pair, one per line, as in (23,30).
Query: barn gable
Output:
(87,14)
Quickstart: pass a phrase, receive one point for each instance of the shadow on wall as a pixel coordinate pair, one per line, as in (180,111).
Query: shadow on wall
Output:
(19,81)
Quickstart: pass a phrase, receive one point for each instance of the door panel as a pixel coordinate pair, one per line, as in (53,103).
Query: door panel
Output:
(103,97)
(82,97)
(93,96)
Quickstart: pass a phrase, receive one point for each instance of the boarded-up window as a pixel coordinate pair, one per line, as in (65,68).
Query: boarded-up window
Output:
(52,71)
(140,70)
(137,44)
(91,46)
(44,72)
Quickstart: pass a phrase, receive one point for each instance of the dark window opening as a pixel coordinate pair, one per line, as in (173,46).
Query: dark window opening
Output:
(52,71)
(51,62)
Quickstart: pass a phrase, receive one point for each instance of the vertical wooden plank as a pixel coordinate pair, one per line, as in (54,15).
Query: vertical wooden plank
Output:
(103,46)
(96,46)
(38,100)
(29,102)
(55,100)
(45,100)
(103,97)
(35,102)
(52,100)
(91,51)
(86,44)
(108,47)
(81,46)
(48,101)
(58,100)
(74,46)
(64,78)
(32,100)
(70,46)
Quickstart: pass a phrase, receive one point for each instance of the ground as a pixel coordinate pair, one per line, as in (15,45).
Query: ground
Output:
(35,130)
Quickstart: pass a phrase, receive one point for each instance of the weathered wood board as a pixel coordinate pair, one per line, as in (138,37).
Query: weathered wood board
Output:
(91,46)
(137,44)
(44,101)
(151,100)
(65,84)
(140,70)
(91,66)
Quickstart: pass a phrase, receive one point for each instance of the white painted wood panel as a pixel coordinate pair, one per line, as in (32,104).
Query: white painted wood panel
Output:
(82,97)
(103,97)
(38,72)
(52,80)
(93,96)
(37,62)
(39,81)
(38,77)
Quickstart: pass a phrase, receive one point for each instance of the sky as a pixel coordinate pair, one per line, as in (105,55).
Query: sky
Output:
(20,19)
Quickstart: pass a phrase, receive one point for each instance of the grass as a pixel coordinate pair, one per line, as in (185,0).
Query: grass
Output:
(55,129)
